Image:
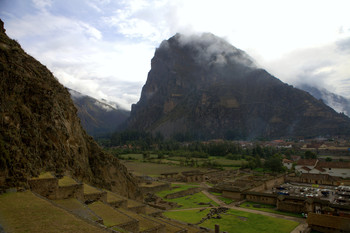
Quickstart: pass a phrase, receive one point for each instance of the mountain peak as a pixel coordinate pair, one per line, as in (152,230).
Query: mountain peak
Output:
(201,85)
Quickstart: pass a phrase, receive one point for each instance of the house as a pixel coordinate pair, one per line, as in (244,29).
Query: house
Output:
(305,165)
(334,168)
(287,163)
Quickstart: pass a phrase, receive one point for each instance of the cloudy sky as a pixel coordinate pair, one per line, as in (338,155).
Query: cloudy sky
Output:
(104,48)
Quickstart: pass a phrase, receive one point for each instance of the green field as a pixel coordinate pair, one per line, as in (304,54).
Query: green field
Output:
(267,208)
(154,169)
(25,212)
(236,221)
(175,188)
(226,200)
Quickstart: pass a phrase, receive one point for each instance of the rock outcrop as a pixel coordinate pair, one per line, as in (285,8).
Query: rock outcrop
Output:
(203,87)
(40,130)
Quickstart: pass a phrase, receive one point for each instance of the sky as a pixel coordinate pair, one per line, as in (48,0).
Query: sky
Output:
(103,48)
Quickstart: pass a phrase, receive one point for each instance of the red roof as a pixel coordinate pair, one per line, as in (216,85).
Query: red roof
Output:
(306,168)
(307,162)
(287,161)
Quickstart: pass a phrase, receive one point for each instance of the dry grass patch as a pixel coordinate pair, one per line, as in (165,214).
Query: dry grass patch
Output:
(66,181)
(89,189)
(25,212)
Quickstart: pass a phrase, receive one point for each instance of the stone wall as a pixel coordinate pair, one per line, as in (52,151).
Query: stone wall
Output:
(71,191)
(291,205)
(183,193)
(154,189)
(140,209)
(232,194)
(46,187)
(269,184)
(263,198)
(132,226)
(92,197)
(118,204)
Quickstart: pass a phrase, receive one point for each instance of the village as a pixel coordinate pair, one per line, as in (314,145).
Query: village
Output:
(316,189)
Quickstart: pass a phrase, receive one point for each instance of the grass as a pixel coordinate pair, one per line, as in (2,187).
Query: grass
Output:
(192,201)
(77,207)
(89,189)
(25,212)
(136,156)
(236,221)
(226,200)
(110,216)
(267,208)
(155,169)
(112,197)
(66,181)
(176,188)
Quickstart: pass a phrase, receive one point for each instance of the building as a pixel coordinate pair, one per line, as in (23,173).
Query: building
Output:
(287,163)
(306,165)
(314,166)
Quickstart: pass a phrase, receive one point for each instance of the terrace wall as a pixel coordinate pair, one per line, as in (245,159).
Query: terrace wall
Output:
(71,191)
(92,197)
(46,187)
(154,189)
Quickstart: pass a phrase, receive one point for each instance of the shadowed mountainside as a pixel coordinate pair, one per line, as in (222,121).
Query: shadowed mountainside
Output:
(204,87)
(98,118)
(40,130)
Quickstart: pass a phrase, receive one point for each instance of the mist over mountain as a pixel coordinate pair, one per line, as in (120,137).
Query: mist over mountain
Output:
(204,87)
(337,102)
(98,117)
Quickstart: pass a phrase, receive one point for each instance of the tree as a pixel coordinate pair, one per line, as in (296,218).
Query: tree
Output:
(328,159)
(274,164)
(310,155)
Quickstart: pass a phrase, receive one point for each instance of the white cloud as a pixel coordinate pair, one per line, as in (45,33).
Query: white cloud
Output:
(104,48)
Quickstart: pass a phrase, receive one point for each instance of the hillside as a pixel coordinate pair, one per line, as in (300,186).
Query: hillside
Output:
(40,129)
(337,102)
(97,117)
(204,87)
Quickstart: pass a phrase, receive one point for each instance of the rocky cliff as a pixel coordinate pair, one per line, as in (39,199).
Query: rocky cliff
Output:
(98,118)
(40,130)
(203,86)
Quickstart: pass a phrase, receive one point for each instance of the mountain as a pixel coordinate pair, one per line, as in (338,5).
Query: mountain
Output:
(203,87)
(337,102)
(98,117)
(40,130)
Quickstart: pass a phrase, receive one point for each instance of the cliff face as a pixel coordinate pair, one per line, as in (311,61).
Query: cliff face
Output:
(40,130)
(204,87)
(98,118)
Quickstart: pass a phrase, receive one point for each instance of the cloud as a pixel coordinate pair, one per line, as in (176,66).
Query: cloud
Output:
(105,47)
(324,67)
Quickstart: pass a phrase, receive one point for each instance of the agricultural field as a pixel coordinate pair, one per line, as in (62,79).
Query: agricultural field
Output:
(236,221)
(155,169)
(25,212)
(219,162)
(191,201)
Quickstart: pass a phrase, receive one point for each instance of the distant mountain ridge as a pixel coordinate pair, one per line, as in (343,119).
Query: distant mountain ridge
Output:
(98,117)
(337,102)
(204,87)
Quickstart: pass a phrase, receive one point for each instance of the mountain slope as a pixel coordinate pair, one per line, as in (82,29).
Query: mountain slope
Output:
(204,87)
(97,118)
(337,102)
(40,130)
